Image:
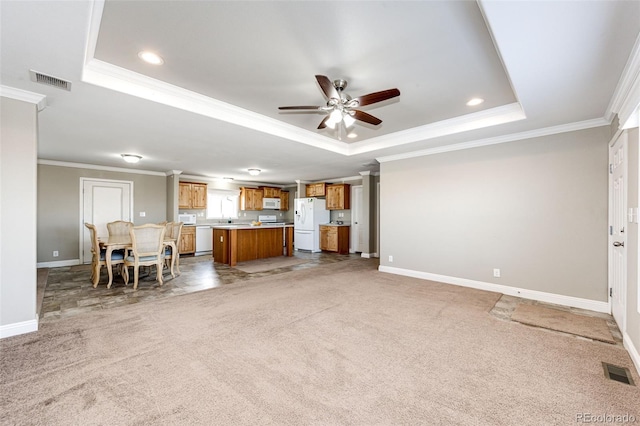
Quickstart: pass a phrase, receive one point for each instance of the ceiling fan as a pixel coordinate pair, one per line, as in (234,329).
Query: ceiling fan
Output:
(341,107)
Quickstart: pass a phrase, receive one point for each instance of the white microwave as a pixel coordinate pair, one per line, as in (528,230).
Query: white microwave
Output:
(187,218)
(271,203)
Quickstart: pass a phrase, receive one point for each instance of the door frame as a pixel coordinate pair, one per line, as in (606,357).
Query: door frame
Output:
(353,237)
(81,226)
(623,138)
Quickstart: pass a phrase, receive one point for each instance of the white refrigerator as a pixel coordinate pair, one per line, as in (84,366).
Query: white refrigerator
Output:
(310,213)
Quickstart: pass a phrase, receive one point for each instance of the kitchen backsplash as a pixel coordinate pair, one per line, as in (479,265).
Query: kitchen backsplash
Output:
(244,216)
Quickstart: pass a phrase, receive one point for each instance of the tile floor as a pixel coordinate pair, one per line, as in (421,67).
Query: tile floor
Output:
(68,290)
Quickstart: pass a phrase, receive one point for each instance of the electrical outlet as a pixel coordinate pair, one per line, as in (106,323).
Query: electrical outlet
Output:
(143,214)
(496,273)
(55,253)
(390,258)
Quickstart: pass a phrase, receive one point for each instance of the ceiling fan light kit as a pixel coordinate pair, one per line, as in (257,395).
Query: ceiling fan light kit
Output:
(340,107)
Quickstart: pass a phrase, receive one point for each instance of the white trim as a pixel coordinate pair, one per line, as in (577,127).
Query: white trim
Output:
(18,328)
(571,127)
(633,351)
(191,178)
(367,255)
(58,263)
(344,179)
(24,95)
(96,167)
(558,299)
(478,120)
(626,96)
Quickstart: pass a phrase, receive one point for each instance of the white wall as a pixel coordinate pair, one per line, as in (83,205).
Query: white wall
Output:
(536,209)
(18,157)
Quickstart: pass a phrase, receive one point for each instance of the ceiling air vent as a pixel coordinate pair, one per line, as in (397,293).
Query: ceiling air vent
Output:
(49,80)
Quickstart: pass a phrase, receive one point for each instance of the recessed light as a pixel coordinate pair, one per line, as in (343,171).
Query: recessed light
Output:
(352,135)
(131,158)
(475,101)
(254,172)
(150,57)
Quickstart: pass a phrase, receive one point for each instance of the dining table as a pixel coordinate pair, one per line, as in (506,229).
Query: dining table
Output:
(123,242)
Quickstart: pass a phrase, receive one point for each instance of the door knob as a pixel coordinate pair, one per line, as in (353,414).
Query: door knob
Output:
(618,244)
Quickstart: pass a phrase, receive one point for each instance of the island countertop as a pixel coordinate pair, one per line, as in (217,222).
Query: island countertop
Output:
(249,226)
(233,243)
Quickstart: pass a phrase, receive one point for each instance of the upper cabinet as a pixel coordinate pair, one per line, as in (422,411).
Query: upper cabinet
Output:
(270,192)
(316,189)
(192,195)
(251,199)
(284,200)
(338,196)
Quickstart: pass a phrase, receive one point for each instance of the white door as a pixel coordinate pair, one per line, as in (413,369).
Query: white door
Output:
(357,233)
(618,229)
(103,201)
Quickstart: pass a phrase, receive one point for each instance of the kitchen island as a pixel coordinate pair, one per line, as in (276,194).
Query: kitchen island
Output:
(235,243)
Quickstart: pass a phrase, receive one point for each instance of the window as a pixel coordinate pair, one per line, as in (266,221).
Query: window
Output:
(222,204)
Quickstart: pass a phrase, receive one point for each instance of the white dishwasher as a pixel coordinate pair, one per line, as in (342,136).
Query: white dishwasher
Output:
(204,239)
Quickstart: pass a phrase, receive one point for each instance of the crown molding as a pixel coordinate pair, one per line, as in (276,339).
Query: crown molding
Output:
(24,95)
(563,128)
(96,167)
(236,182)
(626,97)
(486,118)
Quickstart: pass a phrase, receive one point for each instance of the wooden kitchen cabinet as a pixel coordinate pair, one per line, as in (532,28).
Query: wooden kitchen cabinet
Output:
(316,189)
(187,243)
(338,196)
(334,238)
(270,192)
(251,198)
(192,195)
(221,245)
(284,200)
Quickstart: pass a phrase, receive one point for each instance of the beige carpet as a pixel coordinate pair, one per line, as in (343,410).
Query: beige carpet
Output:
(341,345)
(41,284)
(262,265)
(567,322)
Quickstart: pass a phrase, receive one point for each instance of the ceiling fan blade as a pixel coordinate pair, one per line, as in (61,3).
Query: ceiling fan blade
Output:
(327,87)
(367,118)
(372,98)
(323,123)
(288,108)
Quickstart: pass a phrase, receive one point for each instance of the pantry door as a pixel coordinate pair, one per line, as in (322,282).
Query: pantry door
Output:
(102,201)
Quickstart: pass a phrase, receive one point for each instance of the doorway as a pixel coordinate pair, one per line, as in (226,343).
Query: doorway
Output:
(102,201)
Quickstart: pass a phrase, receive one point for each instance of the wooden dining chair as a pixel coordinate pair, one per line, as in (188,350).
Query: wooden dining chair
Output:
(98,256)
(147,249)
(174,233)
(119,227)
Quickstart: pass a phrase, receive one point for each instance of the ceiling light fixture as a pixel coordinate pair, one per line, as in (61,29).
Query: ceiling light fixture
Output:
(352,135)
(150,57)
(254,172)
(475,101)
(131,158)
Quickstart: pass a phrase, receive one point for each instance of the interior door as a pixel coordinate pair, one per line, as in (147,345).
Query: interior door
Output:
(103,201)
(356,219)
(617,230)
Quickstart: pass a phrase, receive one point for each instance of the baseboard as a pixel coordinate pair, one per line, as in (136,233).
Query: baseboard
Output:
(18,328)
(369,255)
(58,263)
(558,299)
(633,351)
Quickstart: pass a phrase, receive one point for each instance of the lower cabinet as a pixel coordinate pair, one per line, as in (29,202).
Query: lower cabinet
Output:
(187,244)
(334,238)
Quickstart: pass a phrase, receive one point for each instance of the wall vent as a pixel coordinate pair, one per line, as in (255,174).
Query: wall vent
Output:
(49,80)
